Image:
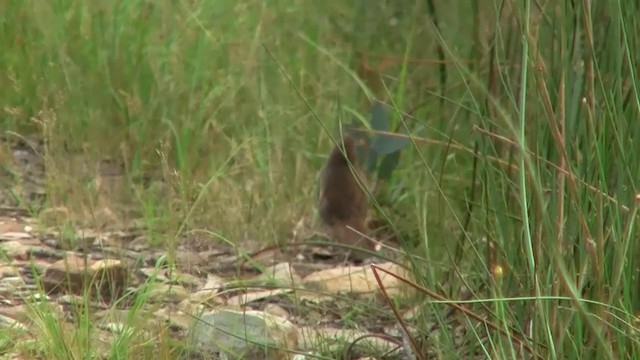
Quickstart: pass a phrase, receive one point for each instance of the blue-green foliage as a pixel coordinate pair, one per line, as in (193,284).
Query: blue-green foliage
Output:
(379,153)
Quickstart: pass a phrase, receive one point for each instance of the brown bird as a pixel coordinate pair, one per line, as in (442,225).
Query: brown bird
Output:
(342,201)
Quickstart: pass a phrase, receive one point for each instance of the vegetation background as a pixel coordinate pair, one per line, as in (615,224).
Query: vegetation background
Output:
(522,172)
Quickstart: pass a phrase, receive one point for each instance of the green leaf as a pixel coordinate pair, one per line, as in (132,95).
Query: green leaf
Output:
(370,160)
(367,157)
(387,165)
(387,144)
(379,118)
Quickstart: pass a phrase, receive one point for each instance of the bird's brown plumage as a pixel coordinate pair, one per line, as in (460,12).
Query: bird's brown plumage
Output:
(342,201)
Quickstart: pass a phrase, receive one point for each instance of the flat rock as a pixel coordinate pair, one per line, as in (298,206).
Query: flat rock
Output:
(355,280)
(74,275)
(244,334)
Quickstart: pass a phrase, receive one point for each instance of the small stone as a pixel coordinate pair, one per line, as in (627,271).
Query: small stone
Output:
(15,249)
(9,323)
(8,271)
(113,319)
(154,273)
(214,283)
(20,313)
(71,300)
(249,297)
(186,280)
(13,282)
(37,297)
(277,310)
(138,244)
(187,260)
(282,274)
(15,235)
(105,218)
(46,252)
(166,293)
(54,216)
(176,319)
